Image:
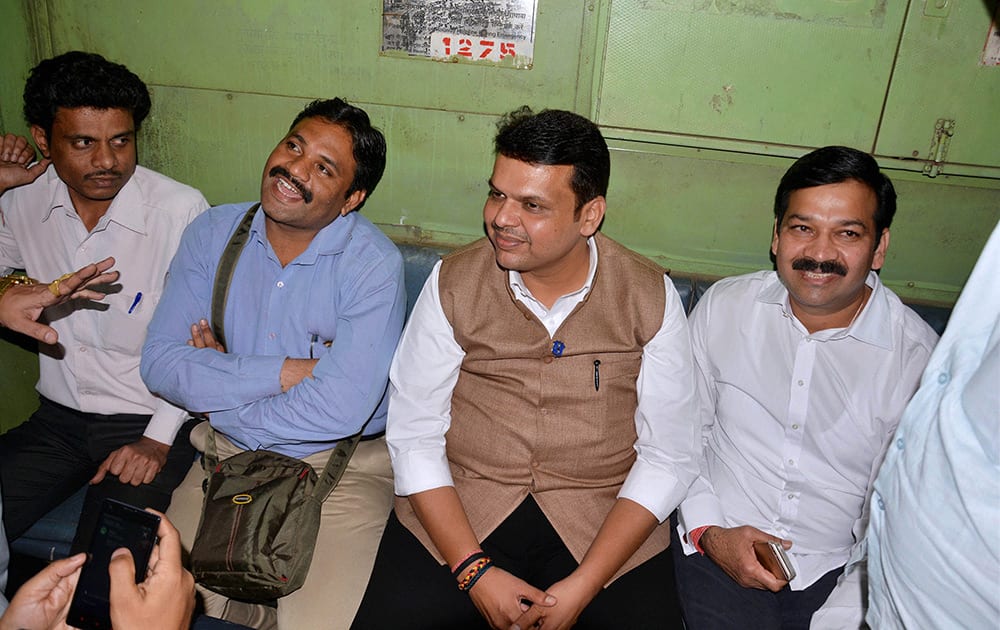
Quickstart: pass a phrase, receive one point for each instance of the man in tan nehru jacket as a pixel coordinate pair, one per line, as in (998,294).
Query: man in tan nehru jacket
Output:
(541,419)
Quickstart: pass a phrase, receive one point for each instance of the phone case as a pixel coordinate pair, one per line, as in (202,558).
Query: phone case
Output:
(773,558)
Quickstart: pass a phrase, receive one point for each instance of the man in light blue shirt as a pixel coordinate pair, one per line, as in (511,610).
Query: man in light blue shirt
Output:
(314,311)
(934,534)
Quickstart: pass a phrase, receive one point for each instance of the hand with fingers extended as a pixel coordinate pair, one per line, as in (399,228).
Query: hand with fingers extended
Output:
(22,304)
(732,549)
(43,601)
(501,598)
(165,599)
(16,154)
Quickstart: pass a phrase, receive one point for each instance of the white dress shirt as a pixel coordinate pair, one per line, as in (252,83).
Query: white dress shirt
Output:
(934,540)
(796,424)
(426,367)
(95,366)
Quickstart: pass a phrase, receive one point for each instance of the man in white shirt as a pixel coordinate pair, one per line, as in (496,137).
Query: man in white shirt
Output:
(803,373)
(96,421)
(541,414)
(934,539)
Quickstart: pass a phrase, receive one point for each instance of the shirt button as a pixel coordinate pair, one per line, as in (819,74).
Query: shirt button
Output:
(271,335)
(899,443)
(942,378)
(534,464)
(801,383)
(791,496)
(795,427)
(280,284)
(83,348)
(544,411)
(881,505)
(547,359)
(791,462)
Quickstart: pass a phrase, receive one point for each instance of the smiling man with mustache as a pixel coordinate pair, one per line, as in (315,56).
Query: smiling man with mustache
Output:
(86,200)
(803,375)
(314,310)
(542,420)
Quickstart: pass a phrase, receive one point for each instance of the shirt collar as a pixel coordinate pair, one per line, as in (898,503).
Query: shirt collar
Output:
(127,209)
(522,292)
(872,325)
(332,239)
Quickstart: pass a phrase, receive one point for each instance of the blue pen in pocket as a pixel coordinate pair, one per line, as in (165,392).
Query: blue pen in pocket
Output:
(135,302)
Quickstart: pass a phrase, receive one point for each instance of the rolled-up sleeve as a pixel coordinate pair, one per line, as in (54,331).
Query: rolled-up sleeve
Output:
(666,418)
(421,380)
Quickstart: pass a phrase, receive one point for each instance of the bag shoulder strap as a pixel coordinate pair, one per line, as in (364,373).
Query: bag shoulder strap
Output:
(335,466)
(343,449)
(224,273)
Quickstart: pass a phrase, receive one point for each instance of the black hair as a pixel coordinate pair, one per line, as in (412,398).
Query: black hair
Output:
(82,79)
(832,165)
(368,143)
(557,137)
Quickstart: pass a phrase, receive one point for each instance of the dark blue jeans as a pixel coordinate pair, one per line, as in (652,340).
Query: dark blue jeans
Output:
(711,600)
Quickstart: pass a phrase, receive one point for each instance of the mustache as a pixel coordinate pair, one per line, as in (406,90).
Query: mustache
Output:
(825,266)
(307,195)
(508,232)
(103,174)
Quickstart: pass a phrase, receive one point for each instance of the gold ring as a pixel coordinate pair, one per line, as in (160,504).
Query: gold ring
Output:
(54,285)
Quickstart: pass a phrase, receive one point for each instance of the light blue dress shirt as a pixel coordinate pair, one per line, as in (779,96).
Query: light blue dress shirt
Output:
(934,535)
(342,301)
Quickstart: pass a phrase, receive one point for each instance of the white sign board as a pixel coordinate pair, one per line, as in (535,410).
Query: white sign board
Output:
(493,31)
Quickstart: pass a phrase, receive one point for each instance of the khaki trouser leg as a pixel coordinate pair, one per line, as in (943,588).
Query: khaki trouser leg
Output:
(353,518)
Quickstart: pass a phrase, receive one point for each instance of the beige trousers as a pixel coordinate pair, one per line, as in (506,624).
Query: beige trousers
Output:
(350,529)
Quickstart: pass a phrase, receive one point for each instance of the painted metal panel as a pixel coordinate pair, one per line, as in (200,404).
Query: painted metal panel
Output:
(314,48)
(436,171)
(792,72)
(939,75)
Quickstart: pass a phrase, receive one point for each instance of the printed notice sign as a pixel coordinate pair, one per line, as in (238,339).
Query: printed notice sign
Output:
(495,31)
(991,50)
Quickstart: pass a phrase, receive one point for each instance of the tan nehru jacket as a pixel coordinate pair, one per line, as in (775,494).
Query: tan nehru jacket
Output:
(525,421)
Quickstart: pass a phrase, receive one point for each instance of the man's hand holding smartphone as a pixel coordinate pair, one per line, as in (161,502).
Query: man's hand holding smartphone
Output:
(772,557)
(165,599)
(732,549)
(43,601)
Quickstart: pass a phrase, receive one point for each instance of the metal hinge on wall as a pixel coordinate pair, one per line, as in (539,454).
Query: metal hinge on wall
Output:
(944,129)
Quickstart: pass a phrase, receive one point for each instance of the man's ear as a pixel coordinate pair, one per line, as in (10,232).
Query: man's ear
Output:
(774,239)
(353,201)
(883,244)
(41,140)
(591,215)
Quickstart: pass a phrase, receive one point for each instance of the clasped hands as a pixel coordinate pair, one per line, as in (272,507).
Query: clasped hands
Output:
(509,603)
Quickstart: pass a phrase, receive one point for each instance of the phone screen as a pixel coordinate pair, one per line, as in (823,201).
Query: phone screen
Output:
(118,525)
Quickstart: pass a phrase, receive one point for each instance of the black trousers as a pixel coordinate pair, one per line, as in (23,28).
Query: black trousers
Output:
(714,601)
(57,451)
(409,590)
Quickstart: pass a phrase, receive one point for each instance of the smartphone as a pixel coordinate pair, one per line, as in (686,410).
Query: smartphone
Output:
(772,557)
(118,525)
